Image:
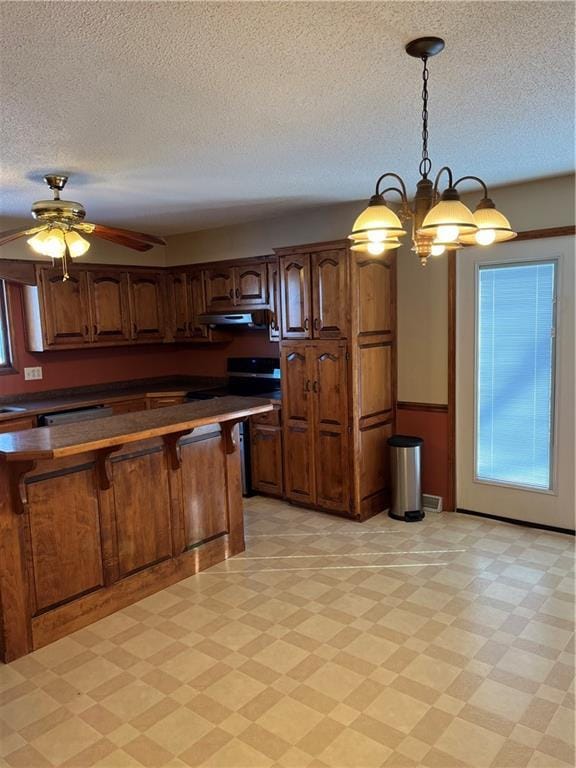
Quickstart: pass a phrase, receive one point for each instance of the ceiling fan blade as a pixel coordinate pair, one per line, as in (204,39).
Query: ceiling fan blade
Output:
(14,234)
(127,242)
(101,229)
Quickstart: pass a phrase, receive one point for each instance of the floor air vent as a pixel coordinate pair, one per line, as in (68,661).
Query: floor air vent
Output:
(431,503)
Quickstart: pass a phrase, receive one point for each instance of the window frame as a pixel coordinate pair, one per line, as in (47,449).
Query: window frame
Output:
(5,325)
(552,489)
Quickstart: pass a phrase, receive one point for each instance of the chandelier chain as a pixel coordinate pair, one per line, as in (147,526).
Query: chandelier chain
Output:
(425,163)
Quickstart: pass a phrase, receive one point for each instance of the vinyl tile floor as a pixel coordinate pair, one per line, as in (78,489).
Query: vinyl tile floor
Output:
(327,644)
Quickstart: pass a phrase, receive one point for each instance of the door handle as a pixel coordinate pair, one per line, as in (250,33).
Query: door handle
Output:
(316,324)
(231,293)
(307,386)
(306,324)
(315,387)
(237,292)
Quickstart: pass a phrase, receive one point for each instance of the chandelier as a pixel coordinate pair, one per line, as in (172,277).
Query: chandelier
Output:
(440,221)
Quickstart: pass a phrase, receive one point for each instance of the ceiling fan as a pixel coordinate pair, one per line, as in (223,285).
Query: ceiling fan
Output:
(60,222)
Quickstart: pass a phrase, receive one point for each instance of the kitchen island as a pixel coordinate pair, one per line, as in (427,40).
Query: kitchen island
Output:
(97,515)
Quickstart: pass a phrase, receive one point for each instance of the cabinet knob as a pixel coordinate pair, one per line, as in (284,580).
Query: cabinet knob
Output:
(315,387)
(231,293)
(237,293)
(316,324)
(307,386)
(306,324)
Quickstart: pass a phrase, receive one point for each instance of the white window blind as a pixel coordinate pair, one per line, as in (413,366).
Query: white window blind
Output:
(515,373)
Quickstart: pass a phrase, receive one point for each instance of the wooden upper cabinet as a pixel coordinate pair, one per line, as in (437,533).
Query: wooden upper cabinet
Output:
(197,298)
(64,307)
(241,287)
(179,302)
(314,295)
(274,296)
(329,295)
(219,286)
(295,296)
(251,286)
(109,308)
(146,306)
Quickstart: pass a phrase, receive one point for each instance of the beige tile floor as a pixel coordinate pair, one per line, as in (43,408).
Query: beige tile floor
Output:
(444,643)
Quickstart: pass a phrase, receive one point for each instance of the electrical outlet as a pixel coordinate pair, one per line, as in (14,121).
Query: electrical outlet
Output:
(33,373)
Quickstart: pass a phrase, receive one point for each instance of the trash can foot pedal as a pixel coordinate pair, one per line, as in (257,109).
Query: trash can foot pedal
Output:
(409,517)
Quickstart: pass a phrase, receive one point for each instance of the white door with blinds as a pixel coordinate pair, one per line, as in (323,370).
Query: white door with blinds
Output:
(515,381)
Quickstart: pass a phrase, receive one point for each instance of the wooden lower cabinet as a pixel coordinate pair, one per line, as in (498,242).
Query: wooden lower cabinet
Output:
(91,533)
(316,424)
(266,455)
(15,425)
(129,406)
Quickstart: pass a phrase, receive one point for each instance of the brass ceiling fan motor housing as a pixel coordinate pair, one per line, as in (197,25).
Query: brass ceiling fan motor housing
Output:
(66,211)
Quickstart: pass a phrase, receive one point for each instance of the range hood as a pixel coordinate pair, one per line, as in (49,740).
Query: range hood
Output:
(258,319)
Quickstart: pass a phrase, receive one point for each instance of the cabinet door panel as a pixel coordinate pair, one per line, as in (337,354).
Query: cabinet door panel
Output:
(65,538)
(146,306)
(331,439)
(297,415)
(143,510)
(206,507)
(251,286)
(274,296)
(298,463)
(219,283)
(329,299)
(266,454)
(107,293)
(295,292)
(198,306)
(297,378)
(65,308)
(181,311)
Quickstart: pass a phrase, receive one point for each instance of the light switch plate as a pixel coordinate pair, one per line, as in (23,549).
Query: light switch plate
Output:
(33,373)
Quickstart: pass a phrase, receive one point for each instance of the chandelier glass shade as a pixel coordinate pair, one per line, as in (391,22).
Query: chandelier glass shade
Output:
(440,220)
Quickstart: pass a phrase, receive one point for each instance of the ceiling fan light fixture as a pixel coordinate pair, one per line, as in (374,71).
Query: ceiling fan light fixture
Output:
(77,245)
(49,242)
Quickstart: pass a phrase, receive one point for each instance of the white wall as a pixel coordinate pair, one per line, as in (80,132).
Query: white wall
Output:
(422,292)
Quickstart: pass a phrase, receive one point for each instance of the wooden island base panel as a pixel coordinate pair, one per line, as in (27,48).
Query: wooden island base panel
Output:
(97,515)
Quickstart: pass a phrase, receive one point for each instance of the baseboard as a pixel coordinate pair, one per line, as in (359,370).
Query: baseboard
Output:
(525,523)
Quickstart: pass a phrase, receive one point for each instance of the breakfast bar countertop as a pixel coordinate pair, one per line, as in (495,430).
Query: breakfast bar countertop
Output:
(79,437)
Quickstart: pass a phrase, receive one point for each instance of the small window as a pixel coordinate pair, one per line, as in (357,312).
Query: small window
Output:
(515,343)
(5,348)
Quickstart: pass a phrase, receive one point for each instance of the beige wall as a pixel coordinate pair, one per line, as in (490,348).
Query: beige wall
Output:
(422,292)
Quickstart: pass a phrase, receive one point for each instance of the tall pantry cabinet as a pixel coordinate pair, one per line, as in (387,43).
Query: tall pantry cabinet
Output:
(338,377)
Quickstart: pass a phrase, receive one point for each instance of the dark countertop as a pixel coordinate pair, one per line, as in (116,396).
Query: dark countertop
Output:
(110,431)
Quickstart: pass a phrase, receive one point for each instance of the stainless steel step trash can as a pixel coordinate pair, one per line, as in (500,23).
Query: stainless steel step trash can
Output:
(406,462)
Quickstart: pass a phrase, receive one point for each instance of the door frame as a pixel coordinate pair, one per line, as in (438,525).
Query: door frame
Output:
(531,234)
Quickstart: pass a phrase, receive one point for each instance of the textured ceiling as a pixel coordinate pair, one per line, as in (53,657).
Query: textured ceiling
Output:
(180,116)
